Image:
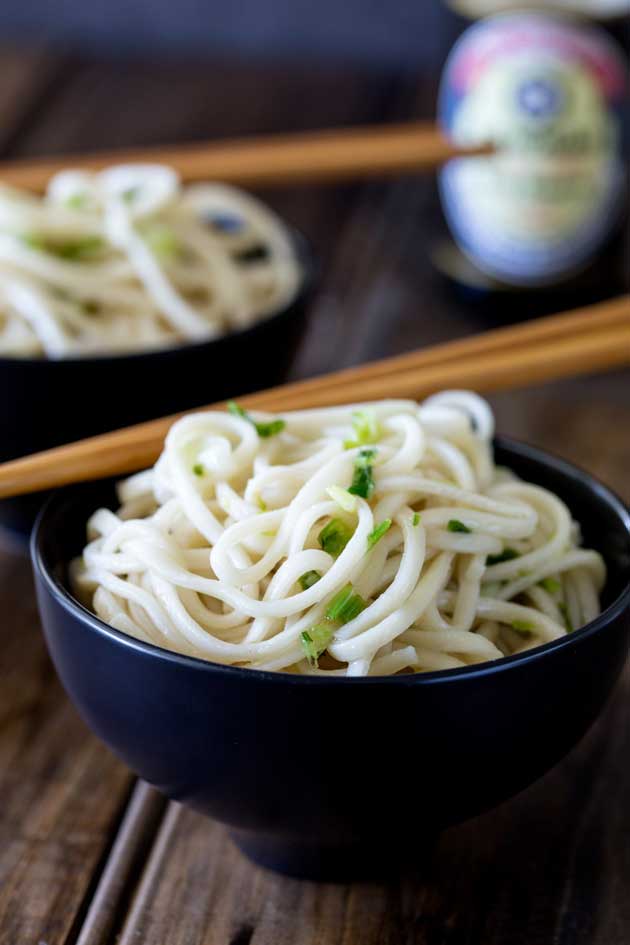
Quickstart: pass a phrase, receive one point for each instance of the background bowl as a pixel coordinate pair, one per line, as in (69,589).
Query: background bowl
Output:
(45,403)
(338,778)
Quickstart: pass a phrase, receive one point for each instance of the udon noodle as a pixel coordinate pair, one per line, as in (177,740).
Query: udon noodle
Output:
(360,540)
(127,259)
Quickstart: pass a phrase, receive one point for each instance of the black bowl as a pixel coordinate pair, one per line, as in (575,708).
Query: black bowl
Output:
(333,778)
(45,403)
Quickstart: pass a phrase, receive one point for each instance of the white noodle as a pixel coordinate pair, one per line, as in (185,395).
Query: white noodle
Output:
(127,259)
(207,550)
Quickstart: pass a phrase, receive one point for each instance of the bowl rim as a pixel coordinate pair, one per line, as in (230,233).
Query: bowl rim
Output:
(307,284)
(61,594)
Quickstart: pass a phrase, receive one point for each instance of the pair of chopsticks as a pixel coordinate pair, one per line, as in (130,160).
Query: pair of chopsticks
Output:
(332,155)
(590,339)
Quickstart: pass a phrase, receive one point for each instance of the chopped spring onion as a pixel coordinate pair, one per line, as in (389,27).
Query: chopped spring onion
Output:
(522,626)
(343,498)
(416,519)
(161,240)
(366,429)
(80,249)
(76,201)
(262,505)
(363,478)
(264,429)
(378,532)
(72,250)
(343,608)
(551,585)
(345,605)
(34,242)
(315,641)
(130,194)
(309,578)
(508,554)
(334,537)
(455,525)
(198,469)
(270,429)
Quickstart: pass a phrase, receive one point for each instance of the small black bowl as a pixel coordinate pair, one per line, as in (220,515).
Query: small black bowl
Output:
(338,778)
(44,403)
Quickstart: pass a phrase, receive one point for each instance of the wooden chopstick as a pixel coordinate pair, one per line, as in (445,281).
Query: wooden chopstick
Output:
(590,339)
(330,155)
(542,331)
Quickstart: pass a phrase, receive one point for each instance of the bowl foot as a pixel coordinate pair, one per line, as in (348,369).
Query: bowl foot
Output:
(360,862)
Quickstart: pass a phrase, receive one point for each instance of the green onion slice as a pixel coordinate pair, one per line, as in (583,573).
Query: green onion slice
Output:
(130,194)
(366,429)
(345,605)
(161,240)
(522,626)
(378,532)
(363,478)
(508,554)
(334,537)
(315,641)
(455,525)
(76,201)
(551,585)
(309,578)
(71,250)
(264,429)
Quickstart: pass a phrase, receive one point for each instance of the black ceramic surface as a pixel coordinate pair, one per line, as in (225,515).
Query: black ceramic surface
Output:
(44,403)
(338,778)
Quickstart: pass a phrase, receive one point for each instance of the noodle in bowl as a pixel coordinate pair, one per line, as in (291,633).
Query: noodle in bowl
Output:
(128,260)
(363,540)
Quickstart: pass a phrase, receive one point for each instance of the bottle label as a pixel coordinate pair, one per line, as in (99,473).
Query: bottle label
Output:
(547,92)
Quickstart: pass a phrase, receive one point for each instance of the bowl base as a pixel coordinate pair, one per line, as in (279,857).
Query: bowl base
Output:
(360,862)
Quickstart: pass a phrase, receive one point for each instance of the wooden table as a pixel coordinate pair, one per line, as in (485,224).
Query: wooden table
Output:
(88,856)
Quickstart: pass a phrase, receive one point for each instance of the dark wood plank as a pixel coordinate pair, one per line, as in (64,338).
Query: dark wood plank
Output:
(61,792)
(112,895)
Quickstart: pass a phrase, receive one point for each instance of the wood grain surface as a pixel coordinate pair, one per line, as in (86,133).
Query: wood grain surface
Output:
(86,859)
